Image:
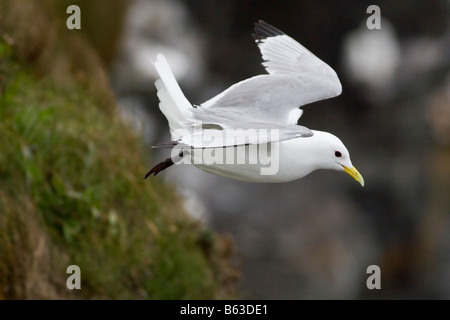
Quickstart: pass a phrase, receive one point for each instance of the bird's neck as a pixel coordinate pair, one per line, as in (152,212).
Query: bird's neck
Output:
(298,157)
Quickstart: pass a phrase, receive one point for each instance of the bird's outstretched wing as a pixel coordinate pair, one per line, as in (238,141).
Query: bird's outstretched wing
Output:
(296,77)
(284,55)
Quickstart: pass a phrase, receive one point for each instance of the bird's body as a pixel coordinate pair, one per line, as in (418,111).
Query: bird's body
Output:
(292,159)
(249,132)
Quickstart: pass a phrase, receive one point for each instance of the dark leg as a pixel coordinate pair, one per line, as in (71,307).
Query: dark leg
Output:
(160,167)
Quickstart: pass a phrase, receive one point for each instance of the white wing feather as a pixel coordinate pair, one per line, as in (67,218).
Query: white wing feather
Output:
(296,77)
(271,101)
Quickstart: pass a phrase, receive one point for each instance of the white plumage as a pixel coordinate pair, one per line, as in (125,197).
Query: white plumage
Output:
(246,112)
(173,103)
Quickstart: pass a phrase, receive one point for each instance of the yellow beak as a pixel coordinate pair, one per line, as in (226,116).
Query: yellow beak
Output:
(354,174)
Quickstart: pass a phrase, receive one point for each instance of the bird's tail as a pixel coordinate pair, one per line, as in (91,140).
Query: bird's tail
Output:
(173,103)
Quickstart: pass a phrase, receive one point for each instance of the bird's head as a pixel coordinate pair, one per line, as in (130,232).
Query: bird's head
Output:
(335,156)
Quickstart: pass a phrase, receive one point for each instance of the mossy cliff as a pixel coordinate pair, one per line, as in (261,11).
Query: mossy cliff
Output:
(71,181)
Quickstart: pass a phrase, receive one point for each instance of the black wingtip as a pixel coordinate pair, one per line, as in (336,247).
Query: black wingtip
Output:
(264,30)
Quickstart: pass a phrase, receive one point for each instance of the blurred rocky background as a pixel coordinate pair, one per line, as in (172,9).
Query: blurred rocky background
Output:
(313,238)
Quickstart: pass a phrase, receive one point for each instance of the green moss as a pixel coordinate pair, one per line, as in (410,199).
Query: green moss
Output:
(72,192)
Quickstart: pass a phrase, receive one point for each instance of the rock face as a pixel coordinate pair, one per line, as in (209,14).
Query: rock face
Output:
(315,238)
(72,189)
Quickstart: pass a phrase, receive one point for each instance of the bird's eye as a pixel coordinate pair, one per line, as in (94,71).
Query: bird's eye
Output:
(338,154)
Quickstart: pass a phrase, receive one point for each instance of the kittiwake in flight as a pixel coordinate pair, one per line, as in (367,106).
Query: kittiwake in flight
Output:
(232,134)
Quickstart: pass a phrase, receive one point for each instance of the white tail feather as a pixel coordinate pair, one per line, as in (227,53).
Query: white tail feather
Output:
(173,103)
